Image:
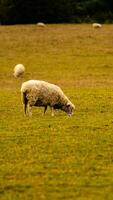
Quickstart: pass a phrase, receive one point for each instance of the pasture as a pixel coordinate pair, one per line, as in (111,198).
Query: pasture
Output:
(45,157)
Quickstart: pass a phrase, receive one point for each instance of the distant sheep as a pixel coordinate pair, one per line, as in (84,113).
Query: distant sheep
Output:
(96,25)
(19,70)
(41,24)
(44,94)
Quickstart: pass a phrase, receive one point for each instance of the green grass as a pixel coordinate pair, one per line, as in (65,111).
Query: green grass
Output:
(44,157)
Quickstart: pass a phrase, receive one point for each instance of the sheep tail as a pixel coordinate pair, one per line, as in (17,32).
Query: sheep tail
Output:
(25,101)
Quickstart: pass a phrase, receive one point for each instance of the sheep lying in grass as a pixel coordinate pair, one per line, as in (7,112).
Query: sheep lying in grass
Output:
(19,70)
(41,24)
(41,93)
(96,25)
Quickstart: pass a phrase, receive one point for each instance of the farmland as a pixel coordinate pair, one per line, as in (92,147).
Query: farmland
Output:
(60,157)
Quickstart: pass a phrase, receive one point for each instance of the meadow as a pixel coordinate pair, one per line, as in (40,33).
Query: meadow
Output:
(60,157)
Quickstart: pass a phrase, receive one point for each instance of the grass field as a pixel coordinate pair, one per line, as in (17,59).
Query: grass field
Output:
(57,158)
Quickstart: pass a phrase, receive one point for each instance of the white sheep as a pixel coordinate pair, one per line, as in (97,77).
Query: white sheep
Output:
(41,24)
(44,94)
(19,70)
(96,25)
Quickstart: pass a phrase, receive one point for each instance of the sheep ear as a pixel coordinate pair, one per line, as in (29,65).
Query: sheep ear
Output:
(68,104)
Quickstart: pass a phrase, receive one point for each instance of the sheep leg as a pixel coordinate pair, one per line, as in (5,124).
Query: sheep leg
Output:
(52,111)
(25,108)
(30,110)
(45,108)
(25,102)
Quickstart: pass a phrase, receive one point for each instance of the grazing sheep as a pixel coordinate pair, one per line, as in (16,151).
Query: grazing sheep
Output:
(41,93)
(96,25)
(19,70)
(41,24)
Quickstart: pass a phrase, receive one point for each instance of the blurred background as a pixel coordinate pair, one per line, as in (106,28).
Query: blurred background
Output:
(59,11)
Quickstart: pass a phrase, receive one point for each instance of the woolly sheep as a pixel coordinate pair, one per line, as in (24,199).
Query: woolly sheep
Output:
(19,70)
(41,24)
(96,25)
(44,94)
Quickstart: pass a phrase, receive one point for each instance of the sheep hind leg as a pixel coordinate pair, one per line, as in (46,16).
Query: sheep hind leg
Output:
(25,102)
(30,110)
(45,108)
(52,111)
(25,108)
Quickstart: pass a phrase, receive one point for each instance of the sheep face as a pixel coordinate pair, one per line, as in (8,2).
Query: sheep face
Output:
(69,108)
